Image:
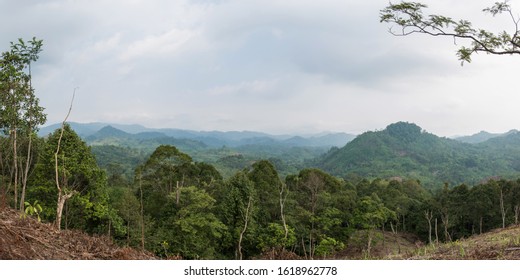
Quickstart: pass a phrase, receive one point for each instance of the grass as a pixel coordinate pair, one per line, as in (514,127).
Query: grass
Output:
(500,244)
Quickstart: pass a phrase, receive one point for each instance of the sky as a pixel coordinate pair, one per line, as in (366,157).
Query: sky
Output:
(291,66)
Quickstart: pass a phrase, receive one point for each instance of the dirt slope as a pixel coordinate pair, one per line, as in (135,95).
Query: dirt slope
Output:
(28,239)
(499,244)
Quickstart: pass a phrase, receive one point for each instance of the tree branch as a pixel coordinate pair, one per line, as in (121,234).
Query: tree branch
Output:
(409,16)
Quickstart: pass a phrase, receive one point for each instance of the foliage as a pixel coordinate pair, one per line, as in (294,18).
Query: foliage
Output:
(33,209)
(78,171)
(20,112)
(403,151)
(409,17)
(238,211)
(194,230)
(273,237)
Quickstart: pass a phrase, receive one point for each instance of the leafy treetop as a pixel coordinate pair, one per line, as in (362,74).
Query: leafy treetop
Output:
(410,18)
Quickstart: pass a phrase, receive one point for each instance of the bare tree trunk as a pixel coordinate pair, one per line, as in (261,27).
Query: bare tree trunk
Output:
(26,173)
(369,242)
(502,208)
(178,191)
(128,232)
(517,213)
(177,194)
(429,216)
(142,210)
(312,247)
(3,194)
(304,249)
(480,224)
(15,163)
(246,221)
(445,221)
(383,232)
(436,232)
(62,198)
(283,198)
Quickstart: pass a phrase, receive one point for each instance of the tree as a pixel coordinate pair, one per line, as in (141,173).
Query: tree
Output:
(194,230)
(410,18)
(20,112)
(238,210)
(371,214)
(164,172)
(62,195)
(77,173)
(267,185)
(319,209)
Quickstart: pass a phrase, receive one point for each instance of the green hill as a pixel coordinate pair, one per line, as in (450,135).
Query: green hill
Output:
(405,150)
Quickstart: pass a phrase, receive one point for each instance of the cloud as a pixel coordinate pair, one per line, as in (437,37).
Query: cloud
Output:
(256,64)
(163,45)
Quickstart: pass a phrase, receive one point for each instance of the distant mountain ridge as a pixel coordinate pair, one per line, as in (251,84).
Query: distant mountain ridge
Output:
(483,136)
(96,131)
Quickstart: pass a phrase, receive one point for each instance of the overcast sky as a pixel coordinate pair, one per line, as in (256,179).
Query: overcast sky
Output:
(278,66)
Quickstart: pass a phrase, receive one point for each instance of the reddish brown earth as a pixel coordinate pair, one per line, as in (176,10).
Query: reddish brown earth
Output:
(27,239)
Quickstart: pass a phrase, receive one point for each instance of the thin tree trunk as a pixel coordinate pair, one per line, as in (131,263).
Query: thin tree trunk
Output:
(311,247)
(283,197)
(383,232)
(246,221)
(128,232)
(26,173)
(429,216)
(3,190)
(142,210)
(62,198)
(502,208)
(109,225)
(177,194)
(445,221)
(436,232)
(304,249)
(480,224)
(15,163)
(517,213)
(369,242)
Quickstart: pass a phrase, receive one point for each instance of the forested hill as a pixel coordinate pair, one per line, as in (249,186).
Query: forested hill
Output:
(405,150)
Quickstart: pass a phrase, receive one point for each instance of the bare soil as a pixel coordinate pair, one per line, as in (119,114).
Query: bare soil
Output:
(27,239)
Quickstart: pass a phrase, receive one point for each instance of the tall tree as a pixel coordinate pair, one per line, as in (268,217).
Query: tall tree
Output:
(19,108)
(238,210)
(166,170)
(371,214)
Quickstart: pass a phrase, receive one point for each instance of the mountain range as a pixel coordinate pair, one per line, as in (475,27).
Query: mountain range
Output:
(126,146)
(483,136)
(95,132)
(402,150)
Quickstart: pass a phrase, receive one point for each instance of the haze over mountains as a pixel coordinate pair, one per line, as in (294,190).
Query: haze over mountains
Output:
(93,132)
(483,136)
(402,150)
